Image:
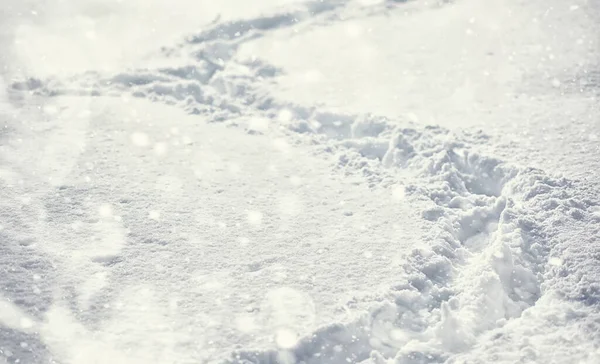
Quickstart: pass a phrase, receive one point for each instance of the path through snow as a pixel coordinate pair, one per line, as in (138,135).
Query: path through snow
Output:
(202,206)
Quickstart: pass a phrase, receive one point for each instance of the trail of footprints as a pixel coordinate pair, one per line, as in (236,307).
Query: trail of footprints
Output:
(484,262)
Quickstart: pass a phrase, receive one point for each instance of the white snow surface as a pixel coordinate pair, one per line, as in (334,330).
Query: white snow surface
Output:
(359,181)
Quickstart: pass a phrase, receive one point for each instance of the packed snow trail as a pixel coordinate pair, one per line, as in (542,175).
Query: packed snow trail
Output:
(184,212)
(491,273)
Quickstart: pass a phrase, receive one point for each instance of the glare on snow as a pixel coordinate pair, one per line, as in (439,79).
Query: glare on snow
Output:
(50,109)
(160,148)
(154,215)
(255,217)
(285,115)
(398,193)
(105,210)
(286,338)
(555,261)
(259,124)
(140,139)
(26,323)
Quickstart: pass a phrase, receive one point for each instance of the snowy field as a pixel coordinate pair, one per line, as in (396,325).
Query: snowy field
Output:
(299,182)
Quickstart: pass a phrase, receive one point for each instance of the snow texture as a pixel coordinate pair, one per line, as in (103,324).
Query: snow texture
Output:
(369,181)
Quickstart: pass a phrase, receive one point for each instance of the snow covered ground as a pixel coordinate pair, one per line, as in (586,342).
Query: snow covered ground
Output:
(282,181)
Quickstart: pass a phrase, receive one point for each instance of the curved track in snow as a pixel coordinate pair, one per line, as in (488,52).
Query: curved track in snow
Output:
(183,212)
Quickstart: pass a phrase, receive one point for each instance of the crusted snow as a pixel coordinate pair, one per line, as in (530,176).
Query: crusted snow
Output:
(289,182)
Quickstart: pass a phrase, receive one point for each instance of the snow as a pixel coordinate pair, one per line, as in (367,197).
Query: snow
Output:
(289,182)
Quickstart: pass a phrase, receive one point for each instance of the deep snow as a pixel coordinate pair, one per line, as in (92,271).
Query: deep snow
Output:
(299,182)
